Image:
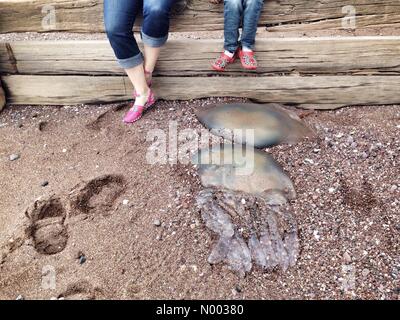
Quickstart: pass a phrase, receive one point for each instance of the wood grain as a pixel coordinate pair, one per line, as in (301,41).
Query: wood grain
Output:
(200,15)
(318,92)
(277,56)
(2,97)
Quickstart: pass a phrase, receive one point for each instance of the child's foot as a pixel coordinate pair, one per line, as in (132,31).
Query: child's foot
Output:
(222,62)
(247,59)
(142,103)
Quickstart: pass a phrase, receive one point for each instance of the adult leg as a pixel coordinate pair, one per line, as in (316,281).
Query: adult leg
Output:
(119,18)
(155,28)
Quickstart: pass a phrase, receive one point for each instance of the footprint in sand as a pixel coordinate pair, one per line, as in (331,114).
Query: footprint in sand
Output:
(81,290)
(47,228)
(98,196)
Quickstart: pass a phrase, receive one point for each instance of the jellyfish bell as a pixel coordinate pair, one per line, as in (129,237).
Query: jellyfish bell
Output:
(271,124)
(238,168)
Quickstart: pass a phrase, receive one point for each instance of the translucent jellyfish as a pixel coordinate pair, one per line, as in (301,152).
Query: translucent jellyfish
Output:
(255,232)
(270,123)
(239,168)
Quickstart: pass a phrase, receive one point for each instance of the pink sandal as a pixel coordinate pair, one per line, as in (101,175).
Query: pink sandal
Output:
(136,112)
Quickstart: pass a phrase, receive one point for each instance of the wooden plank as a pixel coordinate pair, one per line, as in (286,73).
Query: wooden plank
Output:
(7,61)
(346,55)
(2,97)
(314,92)
(200,15)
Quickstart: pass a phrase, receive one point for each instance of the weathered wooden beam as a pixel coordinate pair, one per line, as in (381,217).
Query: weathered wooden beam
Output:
(2,97)
(340,55)
(7,61)
(313,92)
(200,15)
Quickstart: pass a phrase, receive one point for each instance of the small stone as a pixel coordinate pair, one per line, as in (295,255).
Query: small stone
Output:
(80,256)
(20,297)
(125,202)
(157,223)
(350,140)
(331,190)
(14,157)
(53,298)
(310,161)
(243,201)
(44,184)
(364,155)
(393,188)
(64,150)
(347,257)
(365,272)
(82,259)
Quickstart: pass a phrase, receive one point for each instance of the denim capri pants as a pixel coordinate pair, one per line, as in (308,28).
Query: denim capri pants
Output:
(119,18)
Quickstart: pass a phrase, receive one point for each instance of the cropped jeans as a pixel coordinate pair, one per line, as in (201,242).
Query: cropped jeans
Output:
(119,18)
(241,12)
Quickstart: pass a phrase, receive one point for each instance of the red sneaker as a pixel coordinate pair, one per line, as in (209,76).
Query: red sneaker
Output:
(222,62)
(248,60)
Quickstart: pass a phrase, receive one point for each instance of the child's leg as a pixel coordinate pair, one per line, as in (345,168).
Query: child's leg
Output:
(251,16)
(233,10)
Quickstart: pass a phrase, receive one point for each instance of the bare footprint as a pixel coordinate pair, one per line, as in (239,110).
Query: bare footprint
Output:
(98,123)
(81,290)
(98,196)
(47,228)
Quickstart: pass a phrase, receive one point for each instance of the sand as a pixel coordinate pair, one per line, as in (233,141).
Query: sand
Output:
(140,236)
(347,208)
